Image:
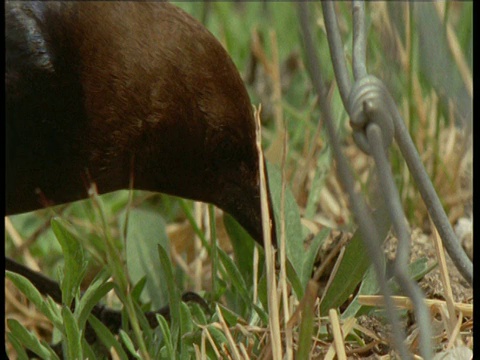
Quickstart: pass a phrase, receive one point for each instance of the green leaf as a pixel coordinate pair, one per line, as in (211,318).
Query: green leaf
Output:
(174,298)
(75,263)
(138,288)
(88,352)
(19,349)
(294,280)
(416,270)
(198,314)
(217,335)
(106,337)
(213,248)
(146,230)
(234,275)
(262,314)
(138,316)
(420,267)
(293,226)
(186,316)
(167,336)
(243,246)
(27,288)
(29,340)
(72,332)
(52,308)
(306,326)
(262,290)
(191,219)
(312,253)
(369,286)
(231,318)
(350,272)
(128,344)
(32,294)
(353,266)
(148,333)
(90,298)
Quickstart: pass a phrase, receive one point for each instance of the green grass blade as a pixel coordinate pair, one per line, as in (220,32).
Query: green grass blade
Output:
(73,336)
(353,266)
(186,324)
(167,336)
(234,275)
(243,246)
(75,263)
(17,345)
(312,252)
(32,294)
(88,352)
(173,296)
(293,225)
(92,297)
(29,340)
(146,230)
(306,326)
(127,341)
(106,337)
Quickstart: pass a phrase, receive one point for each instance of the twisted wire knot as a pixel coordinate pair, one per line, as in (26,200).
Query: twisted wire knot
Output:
(368,104)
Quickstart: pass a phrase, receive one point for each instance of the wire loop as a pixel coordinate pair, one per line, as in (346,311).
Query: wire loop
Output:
(366,105)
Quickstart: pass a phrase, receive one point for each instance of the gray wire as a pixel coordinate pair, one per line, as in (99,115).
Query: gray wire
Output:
(375,120)
(405,143)
(402,256)
(361,212)
(336,52)
(430,197)
(359,41)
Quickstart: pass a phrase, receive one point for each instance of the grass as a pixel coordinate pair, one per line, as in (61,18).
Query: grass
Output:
(95,245)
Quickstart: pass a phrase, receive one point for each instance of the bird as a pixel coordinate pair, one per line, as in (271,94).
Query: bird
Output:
(107,92)
(124,95)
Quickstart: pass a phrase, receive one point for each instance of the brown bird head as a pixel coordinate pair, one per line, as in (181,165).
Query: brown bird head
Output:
(103,91)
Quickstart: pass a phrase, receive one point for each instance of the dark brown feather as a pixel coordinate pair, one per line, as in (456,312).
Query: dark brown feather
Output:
(97,91)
